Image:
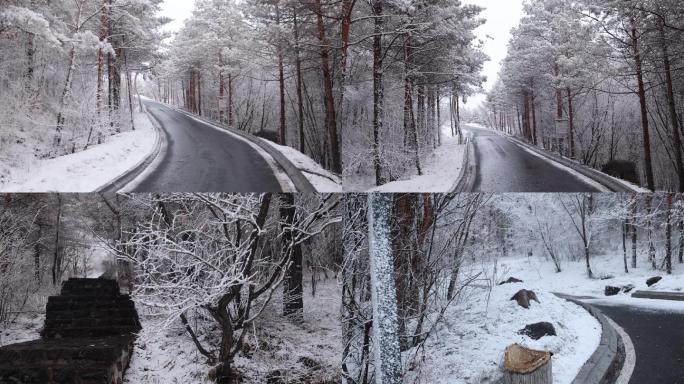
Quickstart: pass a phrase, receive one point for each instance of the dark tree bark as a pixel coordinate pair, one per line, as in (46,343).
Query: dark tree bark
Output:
(281,80)
(676,138)
(329,97)
(378,89)
(648,161)
(300,99)
(293,305)
(571,124)
(668,235)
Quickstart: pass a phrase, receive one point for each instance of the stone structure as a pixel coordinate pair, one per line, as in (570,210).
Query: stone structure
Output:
(87,338)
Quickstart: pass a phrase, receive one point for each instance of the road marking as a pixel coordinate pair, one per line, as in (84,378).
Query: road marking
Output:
(630,354)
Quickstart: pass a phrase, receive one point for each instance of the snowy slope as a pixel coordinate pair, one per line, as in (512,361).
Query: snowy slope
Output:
(468,347)
(323,180)
(168,356)
(88,170)
(441,171)
(610,271)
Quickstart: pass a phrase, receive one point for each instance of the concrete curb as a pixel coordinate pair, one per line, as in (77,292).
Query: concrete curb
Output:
(604,365)
(121,181)
(301,183)
(466,180)
(659,295)
(607,181)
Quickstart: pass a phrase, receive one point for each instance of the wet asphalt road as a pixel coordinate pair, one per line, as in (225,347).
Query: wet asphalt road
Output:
(200,158)
(658,339)
(503,166)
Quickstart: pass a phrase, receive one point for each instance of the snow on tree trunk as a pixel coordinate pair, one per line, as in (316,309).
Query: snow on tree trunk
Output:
(384,298)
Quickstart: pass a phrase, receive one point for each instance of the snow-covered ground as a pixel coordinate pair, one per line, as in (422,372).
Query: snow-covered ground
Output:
(468,346)
(441,171)
(88,170)
(25,327)
(609,270)
(323,180)
(168,356)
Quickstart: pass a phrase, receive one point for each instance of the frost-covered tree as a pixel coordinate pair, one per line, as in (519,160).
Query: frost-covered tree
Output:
(217,255)
(386,323)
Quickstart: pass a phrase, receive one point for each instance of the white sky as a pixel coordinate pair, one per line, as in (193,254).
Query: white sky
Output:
(178,10)
(501,15)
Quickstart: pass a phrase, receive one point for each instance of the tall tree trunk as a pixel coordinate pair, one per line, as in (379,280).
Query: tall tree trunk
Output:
(199,92)
(231,107)
(649,228)
(571,124)
(378,89)
(587,210)
(104,33)
(625,228)
(681,241)
(281,78)
(648,162)
(128,89)
(57,256)
(300,99)
(331,118)
(634,232)
(438,100)
(293,305)
(410,130)
(69,78)
(668,235)
(221,90)
(386,327)
(676,138)
(534,120)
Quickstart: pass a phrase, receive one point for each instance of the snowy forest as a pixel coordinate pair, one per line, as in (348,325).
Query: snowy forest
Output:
(599,82)
(271,68)
(406,69)
(228,287)
(447,261)
(69,72)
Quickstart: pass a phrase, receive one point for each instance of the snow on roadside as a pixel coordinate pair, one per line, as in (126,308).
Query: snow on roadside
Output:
(441,170)
(323,180)
(610,271)
(88,170)
(575,173)
(468,348)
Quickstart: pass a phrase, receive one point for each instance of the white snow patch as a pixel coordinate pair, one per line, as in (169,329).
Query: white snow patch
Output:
(88,170)
(323,180)
(468,348)
(25,327)
(168,355)
(609,269)
(440,171)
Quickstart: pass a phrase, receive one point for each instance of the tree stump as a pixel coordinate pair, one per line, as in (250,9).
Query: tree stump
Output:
(527,366)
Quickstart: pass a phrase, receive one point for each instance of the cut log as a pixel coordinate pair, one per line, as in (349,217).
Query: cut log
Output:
(612,291)
(511,280)
(523,297)
(653,281)
(527,366)
(538,330)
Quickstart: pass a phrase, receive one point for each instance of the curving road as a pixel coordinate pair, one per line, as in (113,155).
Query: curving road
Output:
(658,338)
(200,158)
(503,166)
